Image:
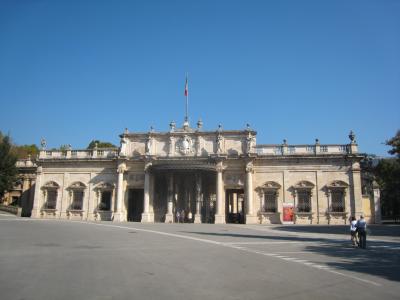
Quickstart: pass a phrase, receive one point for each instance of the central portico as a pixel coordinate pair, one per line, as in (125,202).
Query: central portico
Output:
(183,175)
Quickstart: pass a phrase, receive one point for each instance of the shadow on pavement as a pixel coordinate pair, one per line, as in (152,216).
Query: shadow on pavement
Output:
(379,259)
(379,262)
(375,230)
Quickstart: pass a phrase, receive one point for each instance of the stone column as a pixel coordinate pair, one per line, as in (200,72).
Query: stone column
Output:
(377,204)
(251,218)
(329,208)
(147,215)
(220,215)
(197,216)
(355,188)
(37,201)
(234,203)
(118,214)
(169,217)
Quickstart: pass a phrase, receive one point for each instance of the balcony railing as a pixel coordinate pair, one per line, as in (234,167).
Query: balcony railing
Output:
(79,154)
(301,149)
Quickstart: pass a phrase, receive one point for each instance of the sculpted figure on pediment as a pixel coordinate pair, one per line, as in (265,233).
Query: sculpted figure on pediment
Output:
(219,144)
(250,141)
(149,145)
(122,151)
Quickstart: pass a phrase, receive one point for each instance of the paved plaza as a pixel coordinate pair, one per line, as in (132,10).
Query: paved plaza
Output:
(55,259)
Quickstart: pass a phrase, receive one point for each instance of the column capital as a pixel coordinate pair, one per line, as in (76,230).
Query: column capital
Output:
(250,167)
(121,168)
(220,167)
(147,166)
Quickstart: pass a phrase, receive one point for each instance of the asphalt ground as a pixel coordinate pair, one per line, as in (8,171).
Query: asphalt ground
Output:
(55,259)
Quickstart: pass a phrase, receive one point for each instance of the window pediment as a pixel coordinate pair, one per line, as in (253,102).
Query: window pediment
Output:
(51,185)
(303,185)
(105,186)
(271,185)
(337,184)
(77,186)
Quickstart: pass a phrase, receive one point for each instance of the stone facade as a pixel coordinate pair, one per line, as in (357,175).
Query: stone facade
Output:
(22,193)
(190,175)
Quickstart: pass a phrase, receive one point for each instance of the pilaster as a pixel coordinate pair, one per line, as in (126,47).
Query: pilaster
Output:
(37,200)
(355,180)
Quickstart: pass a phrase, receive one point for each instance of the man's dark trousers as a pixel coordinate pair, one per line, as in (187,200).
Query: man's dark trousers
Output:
(362,235)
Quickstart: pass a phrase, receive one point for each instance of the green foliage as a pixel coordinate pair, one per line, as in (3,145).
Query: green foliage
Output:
(387,174)
(8,170)
(64,147)
(24,150)
(100,144)
(394,142)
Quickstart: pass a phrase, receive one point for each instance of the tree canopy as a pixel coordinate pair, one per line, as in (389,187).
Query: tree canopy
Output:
(394,142)
(24,151)
(8,170)
(100,144)
(387,174)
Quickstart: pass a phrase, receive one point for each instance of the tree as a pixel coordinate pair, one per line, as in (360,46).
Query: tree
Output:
(387,174)
(24,151)
(100,144)
(394,142)
(8,170)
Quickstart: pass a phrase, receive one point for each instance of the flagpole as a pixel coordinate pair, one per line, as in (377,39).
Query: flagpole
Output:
(187,99)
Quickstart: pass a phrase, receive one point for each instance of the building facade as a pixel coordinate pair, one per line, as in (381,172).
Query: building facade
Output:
(19,199)
(191,175)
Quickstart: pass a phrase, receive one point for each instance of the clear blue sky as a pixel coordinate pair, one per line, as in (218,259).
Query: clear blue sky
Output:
(73,71)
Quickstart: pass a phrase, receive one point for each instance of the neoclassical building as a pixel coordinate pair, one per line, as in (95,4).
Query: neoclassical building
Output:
(199,176)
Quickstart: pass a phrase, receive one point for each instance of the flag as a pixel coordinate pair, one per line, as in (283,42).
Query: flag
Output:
(186,87)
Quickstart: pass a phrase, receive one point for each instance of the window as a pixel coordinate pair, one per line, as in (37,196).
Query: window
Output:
(105,201)
(51,201)
(304,201)
(337,200)
(50,194)
(77,200)
(270,201)
(336,192)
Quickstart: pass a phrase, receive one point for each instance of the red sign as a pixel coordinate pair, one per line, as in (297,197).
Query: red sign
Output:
(288,213)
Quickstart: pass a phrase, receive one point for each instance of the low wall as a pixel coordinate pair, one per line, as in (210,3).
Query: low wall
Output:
(11,209)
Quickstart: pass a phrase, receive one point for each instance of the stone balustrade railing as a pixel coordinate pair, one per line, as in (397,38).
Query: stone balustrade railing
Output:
(25,163)
(315,149)
(79,154)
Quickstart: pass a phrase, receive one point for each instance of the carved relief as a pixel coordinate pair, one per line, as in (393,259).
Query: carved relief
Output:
(185,145)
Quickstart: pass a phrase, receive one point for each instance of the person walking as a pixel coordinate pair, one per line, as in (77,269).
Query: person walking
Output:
(362,232)
(353,231)
(183,216)
(178,216)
